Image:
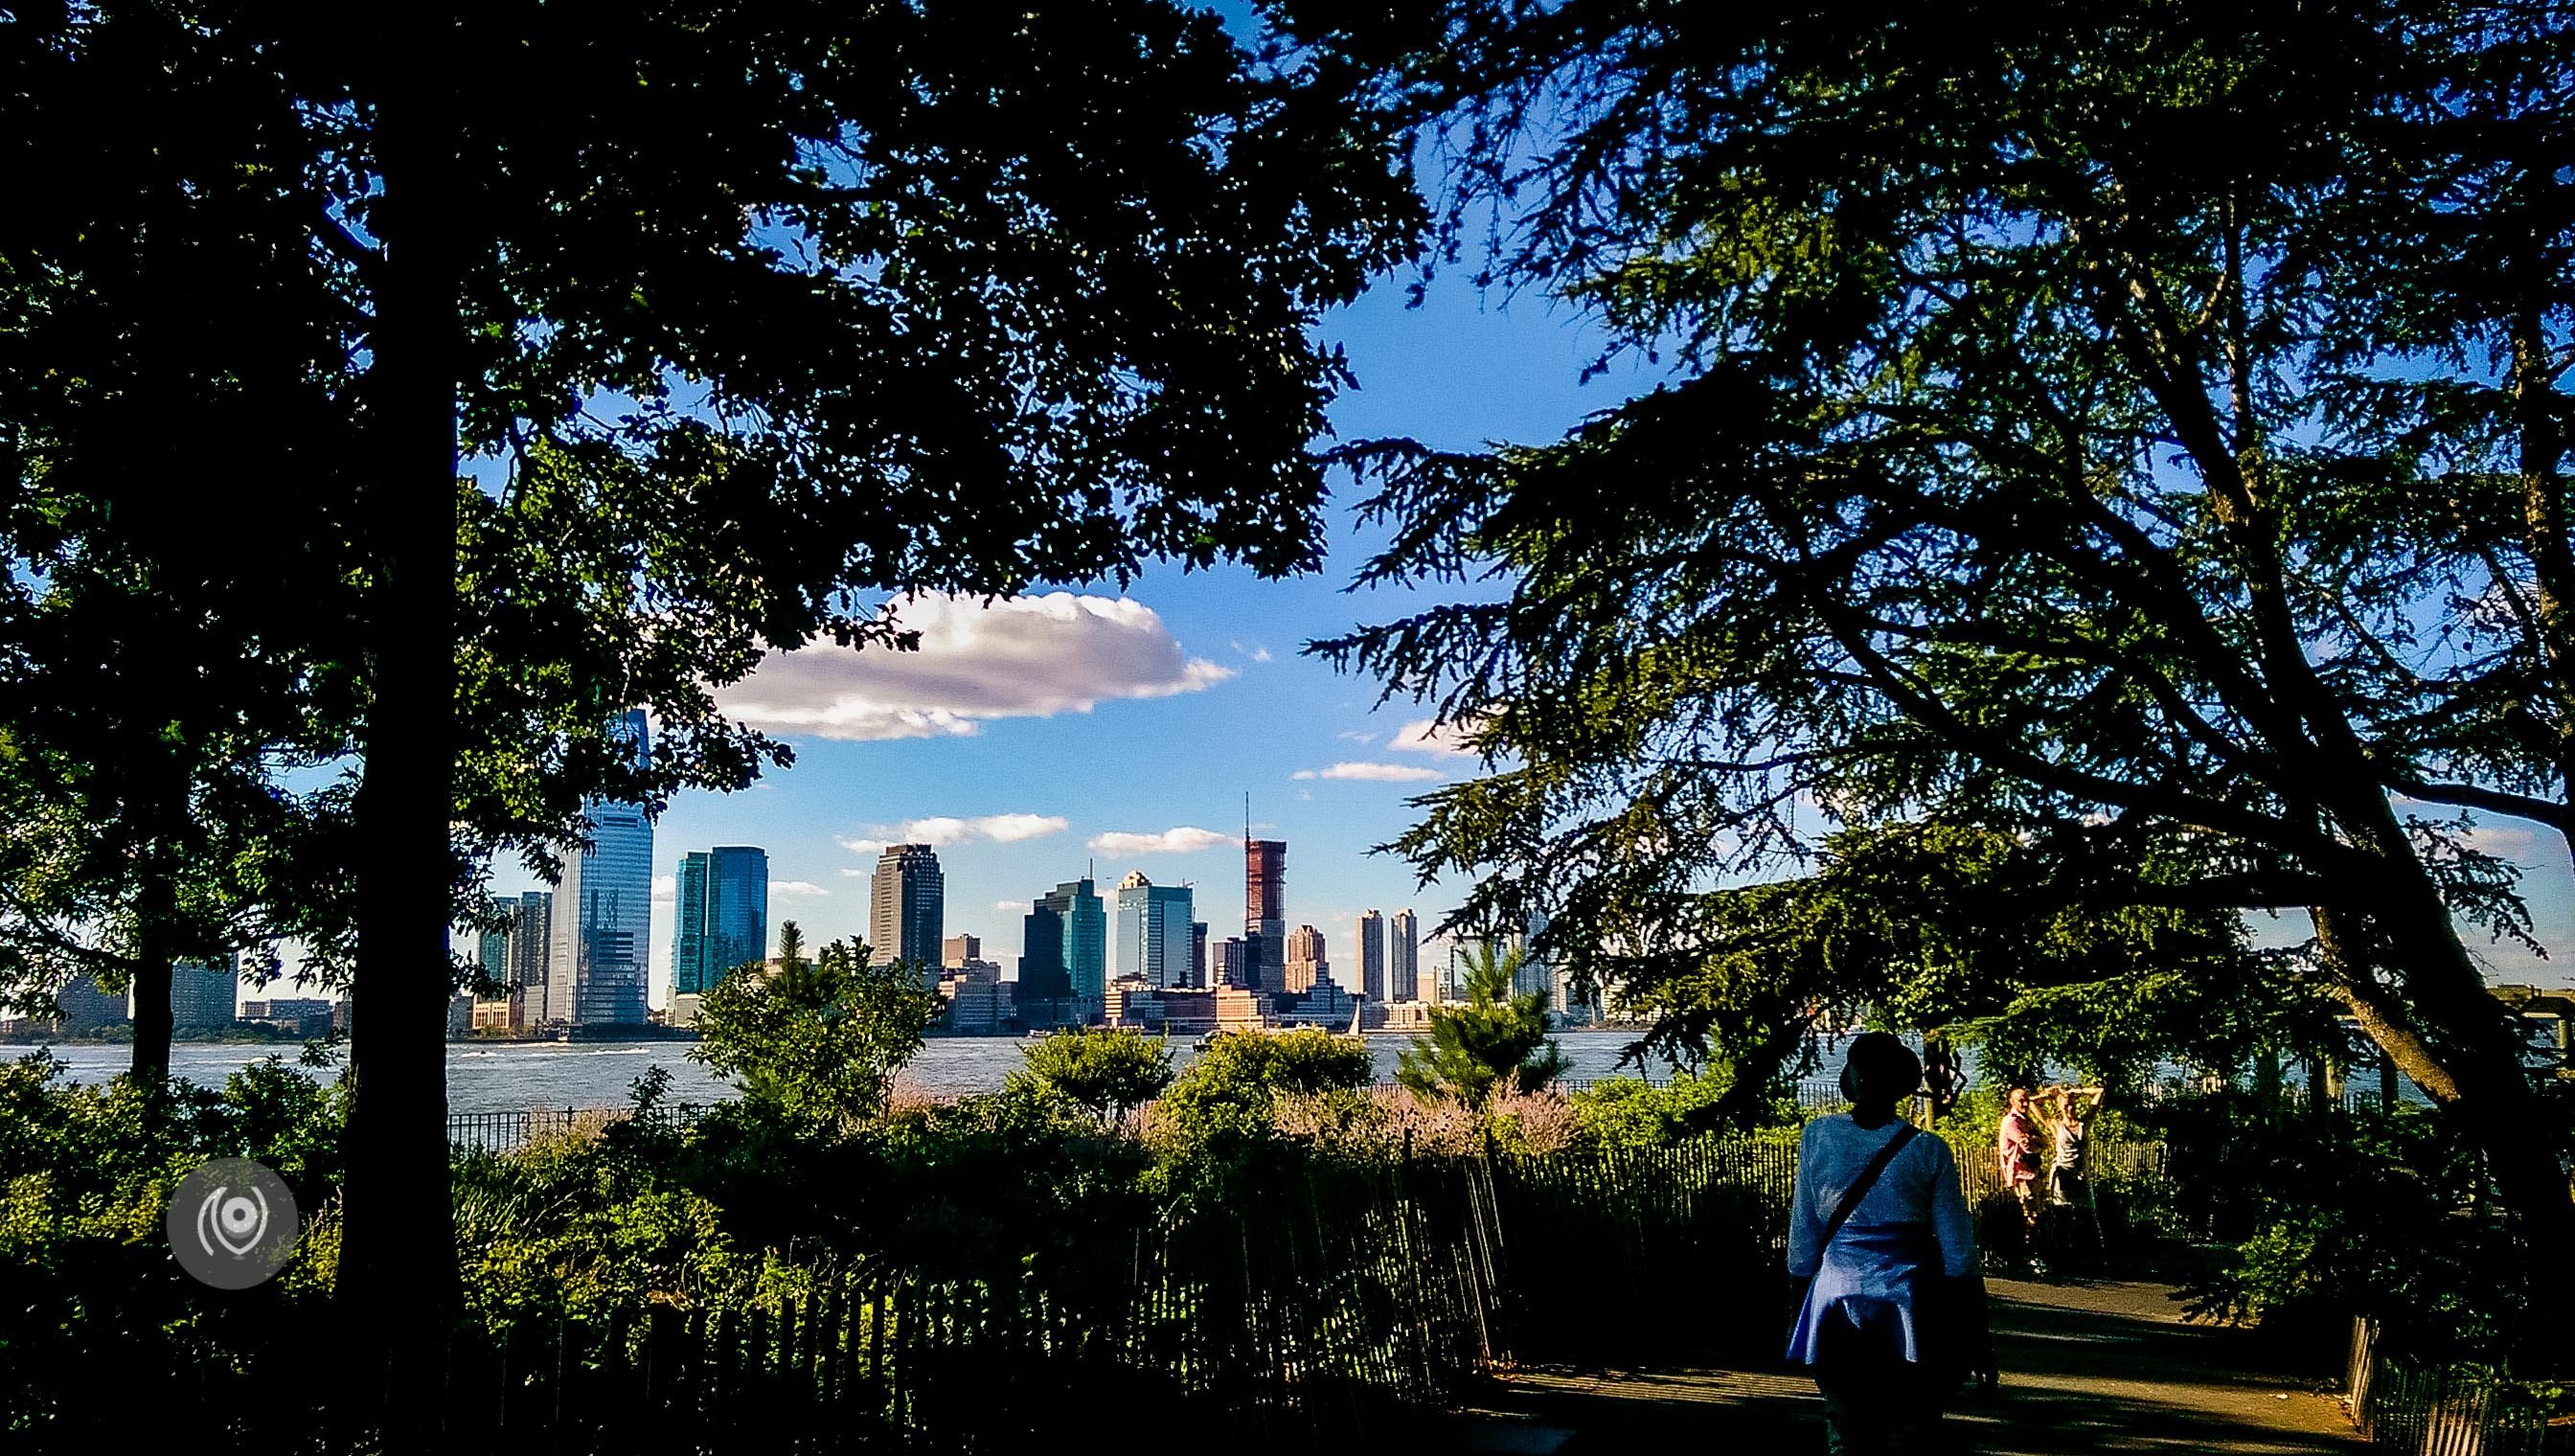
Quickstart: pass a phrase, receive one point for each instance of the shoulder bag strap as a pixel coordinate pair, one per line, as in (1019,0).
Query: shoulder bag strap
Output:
(1867,1181)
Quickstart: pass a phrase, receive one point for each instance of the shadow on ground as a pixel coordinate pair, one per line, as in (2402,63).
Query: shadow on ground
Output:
(2097,1367)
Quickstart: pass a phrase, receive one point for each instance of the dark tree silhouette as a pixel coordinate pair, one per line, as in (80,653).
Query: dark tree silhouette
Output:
(735,318)
(2135,428)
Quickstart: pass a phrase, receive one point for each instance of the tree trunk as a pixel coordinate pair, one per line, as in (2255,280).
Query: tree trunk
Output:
(398,1263)
(2479,1050)
(155,910)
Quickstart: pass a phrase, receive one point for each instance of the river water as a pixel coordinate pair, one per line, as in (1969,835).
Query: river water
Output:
(514,1076)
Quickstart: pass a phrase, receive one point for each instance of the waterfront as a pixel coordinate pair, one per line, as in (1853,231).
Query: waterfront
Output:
(509,1076)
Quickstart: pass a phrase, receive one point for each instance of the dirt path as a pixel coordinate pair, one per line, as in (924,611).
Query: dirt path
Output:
(2096,1367)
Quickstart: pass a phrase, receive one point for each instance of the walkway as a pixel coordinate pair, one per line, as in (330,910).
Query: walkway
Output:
(2091,1367)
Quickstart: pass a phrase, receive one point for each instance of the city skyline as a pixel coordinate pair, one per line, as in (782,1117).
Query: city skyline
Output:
(1086,720)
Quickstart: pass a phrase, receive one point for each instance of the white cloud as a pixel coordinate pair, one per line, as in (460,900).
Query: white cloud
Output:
(666,886)
(1011,904)
(1356,737)
(1184,839)
(796,886)
(1423,736)
(1376,773)
(857,873)
(942,830)
(1255,653)
(2507,840)
(1029,656)
(1008,829)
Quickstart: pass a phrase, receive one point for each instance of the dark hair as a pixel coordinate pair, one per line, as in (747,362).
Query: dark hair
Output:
(1879,1064)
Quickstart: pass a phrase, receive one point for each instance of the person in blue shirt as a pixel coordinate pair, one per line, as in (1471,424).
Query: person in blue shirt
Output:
(1894,1313)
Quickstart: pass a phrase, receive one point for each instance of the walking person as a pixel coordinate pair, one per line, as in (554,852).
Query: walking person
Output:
(1893,1314)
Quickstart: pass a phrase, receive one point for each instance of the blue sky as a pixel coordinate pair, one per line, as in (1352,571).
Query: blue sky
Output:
(1234,707)
(1045,785)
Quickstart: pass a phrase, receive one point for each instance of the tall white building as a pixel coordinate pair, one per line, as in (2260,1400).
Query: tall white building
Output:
(1404,958)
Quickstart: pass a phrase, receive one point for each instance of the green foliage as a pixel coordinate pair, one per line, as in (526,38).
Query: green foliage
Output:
(2328,1216)
(85,1178)
(1226,1097)
(1629,1112)
(1497,1040)
(1109,1071)
(2134,433)
(820,1040)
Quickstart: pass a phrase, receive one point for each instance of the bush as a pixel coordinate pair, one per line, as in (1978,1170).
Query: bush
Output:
(1108,1072)
(1228,1096)
(86,1173)
(820,1040)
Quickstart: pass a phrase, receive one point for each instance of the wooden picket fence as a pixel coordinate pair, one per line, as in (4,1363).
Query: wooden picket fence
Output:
(2410,1410)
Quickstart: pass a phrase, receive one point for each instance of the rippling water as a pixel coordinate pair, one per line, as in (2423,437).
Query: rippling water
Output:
(509,1077)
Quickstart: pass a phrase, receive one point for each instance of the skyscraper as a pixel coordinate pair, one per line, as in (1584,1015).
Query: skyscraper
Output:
(1153,932)
(1371,968)
(201,994)
(737,908)
(511,965)
(1306,962)
(1403,960)
(907,915)
(1198,956)
(531,954)
(1229,962)
(1064,959)
(492,951)
(602,920)
(956,950)
(1533,975)
(1265,912)
(1045,985)
(722,916)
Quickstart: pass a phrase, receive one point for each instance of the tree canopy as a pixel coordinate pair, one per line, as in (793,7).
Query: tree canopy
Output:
(735,323)
(2135,429)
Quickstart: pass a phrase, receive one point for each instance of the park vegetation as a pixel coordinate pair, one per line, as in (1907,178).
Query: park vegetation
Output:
(2098,478)
(2101,480)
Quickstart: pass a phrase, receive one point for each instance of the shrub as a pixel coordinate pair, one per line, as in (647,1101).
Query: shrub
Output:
(1110,1072)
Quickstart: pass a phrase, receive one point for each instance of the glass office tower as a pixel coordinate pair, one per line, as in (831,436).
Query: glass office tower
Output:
(597,966)
(1153,923)
(722,916)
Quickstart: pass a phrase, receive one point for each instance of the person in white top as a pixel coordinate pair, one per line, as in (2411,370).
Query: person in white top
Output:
(1894,1313)
(2067,1115)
